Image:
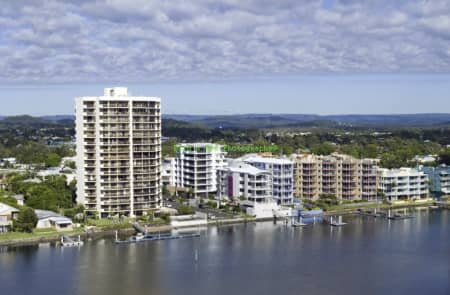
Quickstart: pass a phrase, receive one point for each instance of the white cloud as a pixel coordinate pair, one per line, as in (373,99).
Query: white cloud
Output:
(112,40)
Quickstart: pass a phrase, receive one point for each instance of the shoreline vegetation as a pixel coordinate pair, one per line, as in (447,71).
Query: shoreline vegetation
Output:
(126,228)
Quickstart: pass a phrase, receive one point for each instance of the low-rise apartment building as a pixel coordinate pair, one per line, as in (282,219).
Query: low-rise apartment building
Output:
(242,180)
(403,184)
(282,171)
(339,175)
(439,179)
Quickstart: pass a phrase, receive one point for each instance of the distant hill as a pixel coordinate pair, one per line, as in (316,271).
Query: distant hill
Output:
(245,122)
(175,128)
(59,118)
(170,127)
(310,120)
(392,120)
(172,122)
(24,120)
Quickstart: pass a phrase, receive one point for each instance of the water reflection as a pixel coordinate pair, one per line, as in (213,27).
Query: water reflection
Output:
(368,255)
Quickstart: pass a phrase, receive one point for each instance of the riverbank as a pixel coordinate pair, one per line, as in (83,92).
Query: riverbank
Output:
(19,239)
(400,205)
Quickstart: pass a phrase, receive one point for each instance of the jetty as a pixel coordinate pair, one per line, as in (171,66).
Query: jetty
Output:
(299,223)
(154,237)
(338,222)
(443,205)
(398,216)
(67,241)
(370,213)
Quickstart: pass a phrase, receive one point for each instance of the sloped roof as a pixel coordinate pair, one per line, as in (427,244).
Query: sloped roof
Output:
(6,209)
(57,218)
(41,214)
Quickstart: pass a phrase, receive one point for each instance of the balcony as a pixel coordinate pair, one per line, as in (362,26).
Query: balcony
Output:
(115,151)
(114,120)
(115,104)
(115,187)
(146,149)
(140,171)
(109,143)
(108,135)
(137,142)
(147,134)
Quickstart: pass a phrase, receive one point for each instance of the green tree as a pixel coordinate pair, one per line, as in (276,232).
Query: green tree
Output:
(70,164)
(185,210)
(165,191)
(52,160)
(40,196)
(324,148)
(53,193)
(370,151)
(287,149)
(168,148)
(26,220)
(444,157)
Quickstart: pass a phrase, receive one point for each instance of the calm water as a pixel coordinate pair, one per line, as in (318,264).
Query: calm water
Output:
(368,256)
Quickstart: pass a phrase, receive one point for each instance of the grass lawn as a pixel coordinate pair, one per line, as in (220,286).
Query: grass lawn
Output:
(106,223)
(37,233)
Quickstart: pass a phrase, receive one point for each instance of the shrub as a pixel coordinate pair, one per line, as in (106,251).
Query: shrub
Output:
(26,221)
(211,204)
(165,217)
(185,210)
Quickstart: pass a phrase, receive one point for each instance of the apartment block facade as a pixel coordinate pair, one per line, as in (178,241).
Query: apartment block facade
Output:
(118,139)
(403,184)
(168,171)
(439,179)
(195,167)
(342,176)
(282,171)
(242,180)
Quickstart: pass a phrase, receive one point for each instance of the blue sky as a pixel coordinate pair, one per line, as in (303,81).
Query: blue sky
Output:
(229,56)
(365,94)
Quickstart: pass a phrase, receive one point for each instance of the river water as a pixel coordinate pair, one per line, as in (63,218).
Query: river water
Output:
(367,256)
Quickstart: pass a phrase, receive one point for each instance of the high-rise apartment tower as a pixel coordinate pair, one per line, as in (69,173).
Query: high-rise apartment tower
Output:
(118,139)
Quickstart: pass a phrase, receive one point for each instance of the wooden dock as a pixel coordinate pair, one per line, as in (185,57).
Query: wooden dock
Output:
(67,241)
(375,213)
(443,205)
(157,237)
(399,216)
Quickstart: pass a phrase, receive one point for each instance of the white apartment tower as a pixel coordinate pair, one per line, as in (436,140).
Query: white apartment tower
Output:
(118,140)
(196,167)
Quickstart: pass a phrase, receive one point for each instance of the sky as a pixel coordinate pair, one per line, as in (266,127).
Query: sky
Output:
(228,56)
